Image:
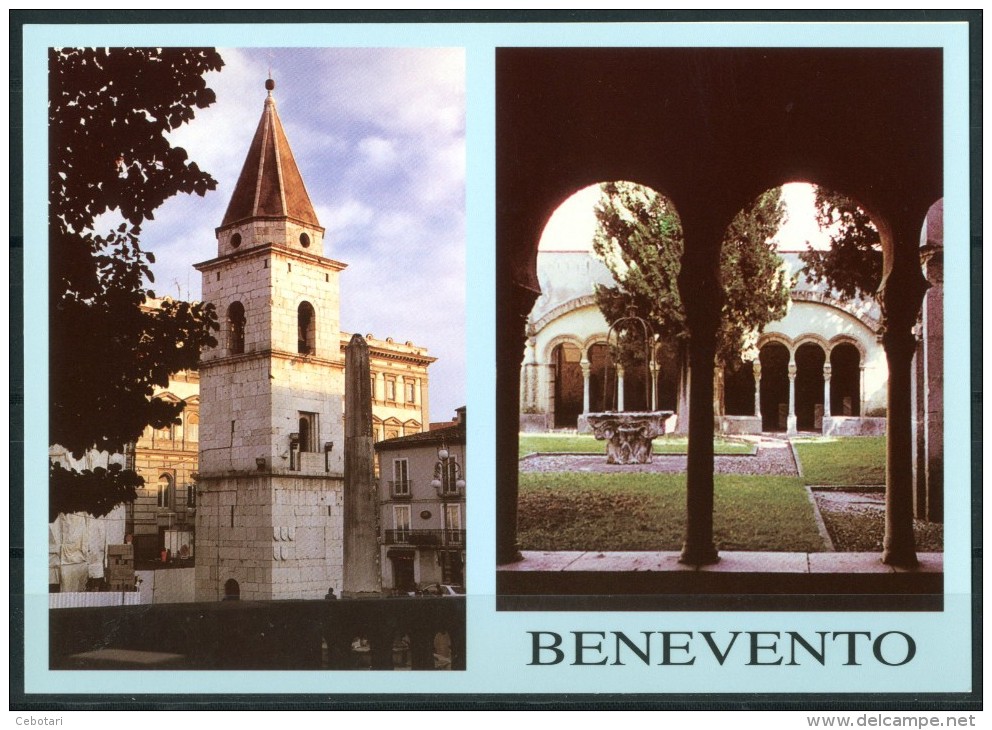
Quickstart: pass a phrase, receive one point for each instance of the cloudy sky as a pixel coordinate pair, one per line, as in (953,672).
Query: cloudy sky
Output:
(379,136)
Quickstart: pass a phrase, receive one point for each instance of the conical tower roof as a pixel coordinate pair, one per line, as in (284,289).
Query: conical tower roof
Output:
(270,184)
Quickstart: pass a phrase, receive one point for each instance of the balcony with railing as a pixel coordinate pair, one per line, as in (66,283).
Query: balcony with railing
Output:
(426,538)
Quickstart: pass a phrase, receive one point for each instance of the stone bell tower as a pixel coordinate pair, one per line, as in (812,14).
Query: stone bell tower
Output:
(269,515)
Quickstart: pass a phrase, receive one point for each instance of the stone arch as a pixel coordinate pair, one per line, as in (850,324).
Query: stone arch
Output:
(846,339)
(547,355)
(777,337)
(562,309)
(811,338)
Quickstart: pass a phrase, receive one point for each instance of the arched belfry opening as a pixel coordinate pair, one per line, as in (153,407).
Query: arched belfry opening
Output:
(306,327)
(236,321)
(734,122)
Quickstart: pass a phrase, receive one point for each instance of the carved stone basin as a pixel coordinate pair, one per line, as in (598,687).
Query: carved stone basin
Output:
(628,434)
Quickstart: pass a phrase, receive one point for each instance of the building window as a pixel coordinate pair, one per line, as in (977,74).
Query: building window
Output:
(411,391)
(391,389)
(454,533)
(193,428)
(306,321)
(236,329)
(401,523)
(191,495)
(372,391)
(165,491)
(308,432)
(401,478)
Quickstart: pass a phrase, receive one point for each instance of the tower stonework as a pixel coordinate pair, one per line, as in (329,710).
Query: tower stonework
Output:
(269,513)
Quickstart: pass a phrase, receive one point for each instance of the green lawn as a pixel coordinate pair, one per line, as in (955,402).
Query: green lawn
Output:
(550,443)
(584,511)
(843,461)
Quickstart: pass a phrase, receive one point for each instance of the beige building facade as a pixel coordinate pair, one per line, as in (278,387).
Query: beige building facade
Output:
(422,495)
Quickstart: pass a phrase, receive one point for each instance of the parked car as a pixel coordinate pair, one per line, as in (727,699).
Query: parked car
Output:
(440,589)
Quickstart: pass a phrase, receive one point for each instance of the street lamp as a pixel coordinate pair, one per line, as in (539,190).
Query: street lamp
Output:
(447,470)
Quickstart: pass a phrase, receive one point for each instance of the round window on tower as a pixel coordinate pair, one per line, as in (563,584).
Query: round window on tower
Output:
(304,240)
(235,240)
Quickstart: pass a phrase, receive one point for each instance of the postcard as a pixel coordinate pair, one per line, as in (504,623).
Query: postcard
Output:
(611,359)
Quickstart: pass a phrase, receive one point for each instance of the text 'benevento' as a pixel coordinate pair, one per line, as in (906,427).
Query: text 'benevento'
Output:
(748,648)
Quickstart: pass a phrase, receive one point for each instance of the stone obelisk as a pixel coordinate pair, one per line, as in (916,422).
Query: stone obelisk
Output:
(362,575)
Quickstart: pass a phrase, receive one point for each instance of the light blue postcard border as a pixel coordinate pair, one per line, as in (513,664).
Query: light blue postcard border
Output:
(498,646)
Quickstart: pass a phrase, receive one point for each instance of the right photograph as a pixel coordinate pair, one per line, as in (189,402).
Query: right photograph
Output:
(720,329)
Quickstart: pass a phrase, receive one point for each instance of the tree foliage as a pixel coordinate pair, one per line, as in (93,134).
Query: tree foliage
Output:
(853,263)
(639,236)
(110,167)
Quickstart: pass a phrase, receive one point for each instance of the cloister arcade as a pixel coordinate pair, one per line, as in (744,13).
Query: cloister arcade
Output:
(818,369)
(711,128)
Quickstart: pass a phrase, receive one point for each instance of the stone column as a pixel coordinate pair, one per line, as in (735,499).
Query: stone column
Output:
(702,295)
(900,297)
(361,500)
(827,371)
(620,388)
(756,368)
(586,371)
(791,419)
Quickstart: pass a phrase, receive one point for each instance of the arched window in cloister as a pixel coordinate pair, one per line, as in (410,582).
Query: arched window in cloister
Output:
(845,380)
(774,360)
(810,358)
(566,384)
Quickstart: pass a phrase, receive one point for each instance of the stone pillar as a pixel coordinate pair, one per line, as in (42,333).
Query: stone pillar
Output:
(791,418)
(529,380)
(827,371)
(756,368)
(586,371)
(861,391)
(513,302)
(900,297)
(933,361)
(702,295)
(361,500)
(620,388)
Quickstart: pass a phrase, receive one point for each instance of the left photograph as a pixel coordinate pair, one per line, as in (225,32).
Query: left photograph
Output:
(257,430)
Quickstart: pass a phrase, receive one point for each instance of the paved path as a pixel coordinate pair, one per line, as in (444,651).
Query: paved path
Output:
(773,458)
